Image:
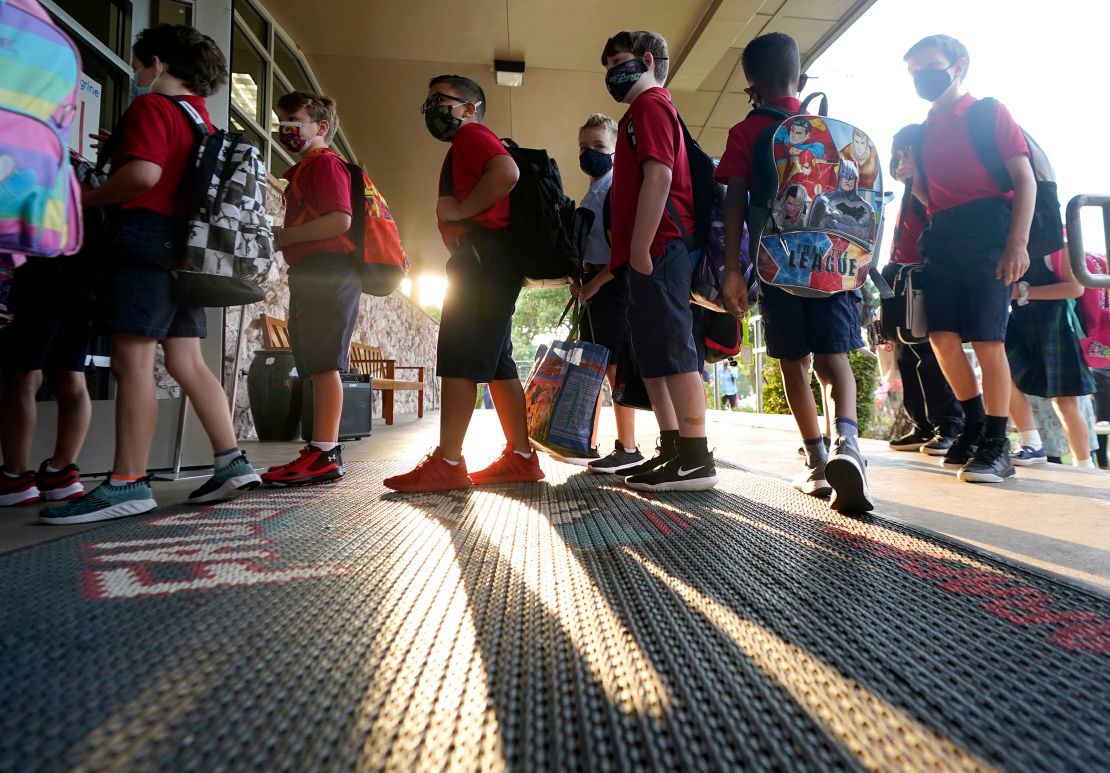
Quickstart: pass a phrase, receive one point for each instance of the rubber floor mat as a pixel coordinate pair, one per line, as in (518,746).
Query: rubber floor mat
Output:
(569,624)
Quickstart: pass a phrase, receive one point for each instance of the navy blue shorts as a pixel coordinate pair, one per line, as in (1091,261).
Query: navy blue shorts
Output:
(605,320)
(324,294)
(136,294)
(53,317)
(475,330)
(961,247)
(660,320)
(796,327)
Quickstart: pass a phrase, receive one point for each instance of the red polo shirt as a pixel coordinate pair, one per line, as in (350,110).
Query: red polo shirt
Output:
(158,131)
(651,122)
(911,223)
(954,173)
(737,159)
(473,146)
(318,184)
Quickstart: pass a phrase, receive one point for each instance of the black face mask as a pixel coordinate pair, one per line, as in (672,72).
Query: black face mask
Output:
(594,162)
(930,84)
(620,79)
(442,123)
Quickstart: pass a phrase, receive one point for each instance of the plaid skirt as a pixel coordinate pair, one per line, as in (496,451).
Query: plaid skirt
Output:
(1043,349)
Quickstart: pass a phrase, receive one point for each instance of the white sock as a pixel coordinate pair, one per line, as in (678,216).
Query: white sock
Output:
(628,450)
(522,454)
(114,481)
(225,458)
(1031,438)
(10,475)
(1084,464)
(323,446)
(453,464)
(51,468)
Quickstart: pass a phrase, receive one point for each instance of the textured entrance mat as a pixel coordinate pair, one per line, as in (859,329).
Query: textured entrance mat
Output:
(568,624)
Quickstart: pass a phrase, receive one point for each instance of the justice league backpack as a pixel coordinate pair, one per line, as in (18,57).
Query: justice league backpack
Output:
(815,210)
(229,247)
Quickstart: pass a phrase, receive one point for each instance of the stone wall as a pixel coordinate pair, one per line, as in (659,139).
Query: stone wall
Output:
(401,329)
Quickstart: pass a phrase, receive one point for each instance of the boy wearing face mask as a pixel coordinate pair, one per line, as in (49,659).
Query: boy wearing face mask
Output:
(975,248)
(325,283)
(149,189)
(652,216)
(601,287)
(796,327)
(475,345)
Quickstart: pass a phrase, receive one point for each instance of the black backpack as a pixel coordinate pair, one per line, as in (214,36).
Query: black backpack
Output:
(1046,232)
(544,235)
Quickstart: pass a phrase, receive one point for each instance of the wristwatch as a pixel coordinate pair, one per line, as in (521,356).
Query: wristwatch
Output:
(1023,293)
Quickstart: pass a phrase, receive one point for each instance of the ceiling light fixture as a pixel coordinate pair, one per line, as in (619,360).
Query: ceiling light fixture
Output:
(509,73)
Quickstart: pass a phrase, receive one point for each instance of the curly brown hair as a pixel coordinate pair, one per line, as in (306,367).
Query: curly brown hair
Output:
(187,53)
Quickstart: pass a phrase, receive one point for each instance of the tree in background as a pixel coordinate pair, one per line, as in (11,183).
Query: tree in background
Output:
(537,313)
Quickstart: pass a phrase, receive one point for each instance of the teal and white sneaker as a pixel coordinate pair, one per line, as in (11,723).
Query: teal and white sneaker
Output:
(103,503)
(234,478)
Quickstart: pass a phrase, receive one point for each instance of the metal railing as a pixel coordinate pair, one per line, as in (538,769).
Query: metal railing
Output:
(1076,253)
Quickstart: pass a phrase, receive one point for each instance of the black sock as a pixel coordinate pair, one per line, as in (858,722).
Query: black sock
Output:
(668,442)
(995,426)
(973,410)
(692,450)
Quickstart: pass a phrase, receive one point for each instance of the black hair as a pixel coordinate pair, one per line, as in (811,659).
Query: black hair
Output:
(772,60)
(906,138)
(639,43)
(946,44)
(187,53)
(466,88)
(802,122)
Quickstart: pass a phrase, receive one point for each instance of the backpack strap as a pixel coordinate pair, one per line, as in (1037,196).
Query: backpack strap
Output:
(200,128)
(607,216)
(823,105)
(982,123)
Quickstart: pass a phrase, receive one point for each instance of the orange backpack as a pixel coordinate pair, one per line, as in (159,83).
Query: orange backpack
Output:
(373,234)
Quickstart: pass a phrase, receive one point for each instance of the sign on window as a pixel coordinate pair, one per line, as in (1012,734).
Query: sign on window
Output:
(87,120)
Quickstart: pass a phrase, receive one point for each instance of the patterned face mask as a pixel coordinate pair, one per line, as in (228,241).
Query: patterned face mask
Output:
(289,135)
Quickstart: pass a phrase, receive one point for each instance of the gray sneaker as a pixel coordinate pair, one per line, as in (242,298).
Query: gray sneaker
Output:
(234,478)
(811,480)
(846,472)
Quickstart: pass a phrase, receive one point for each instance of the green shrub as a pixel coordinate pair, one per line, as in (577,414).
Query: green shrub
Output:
(864,367)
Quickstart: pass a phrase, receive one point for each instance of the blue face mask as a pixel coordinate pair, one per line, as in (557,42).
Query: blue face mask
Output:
(594,162)
(137,91)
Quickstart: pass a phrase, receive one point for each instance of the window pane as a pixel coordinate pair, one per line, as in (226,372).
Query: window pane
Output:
(254,21)
(280,89)
(289,63)
(248,76)
(175,12)
(278,163)
(114,85)
(105,20)
(244,128)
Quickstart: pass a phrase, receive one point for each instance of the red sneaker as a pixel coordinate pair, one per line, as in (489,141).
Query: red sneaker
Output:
(18,491)
(312,466)
(432,474)
(60,486)
(510,467)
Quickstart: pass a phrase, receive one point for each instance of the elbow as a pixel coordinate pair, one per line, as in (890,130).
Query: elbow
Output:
(344,223)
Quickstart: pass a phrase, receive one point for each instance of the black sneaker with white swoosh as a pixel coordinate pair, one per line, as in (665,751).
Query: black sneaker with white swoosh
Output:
(676,476)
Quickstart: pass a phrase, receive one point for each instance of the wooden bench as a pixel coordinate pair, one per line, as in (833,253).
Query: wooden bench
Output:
(366,360)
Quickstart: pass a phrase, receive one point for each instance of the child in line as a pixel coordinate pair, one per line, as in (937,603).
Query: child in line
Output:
(603,291)
(325,281)
(653,222)
(136,303)
(796,327)
(475,344)
(975,250)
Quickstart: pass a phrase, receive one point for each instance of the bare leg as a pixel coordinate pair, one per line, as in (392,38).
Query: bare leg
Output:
(996,376)
(19,417)
(327,406)
(661,404)
(688,398)
(186,364)
(626,417)
(795,380)
(1075,426)
(1020,411)
(74,416)
(955,366)
(456,408)
(508,400)
(835,371)
(136,403)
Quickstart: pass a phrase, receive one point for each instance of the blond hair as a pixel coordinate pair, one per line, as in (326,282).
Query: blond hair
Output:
(600,121)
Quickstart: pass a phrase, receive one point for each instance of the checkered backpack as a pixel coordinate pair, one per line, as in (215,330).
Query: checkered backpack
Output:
(229,247)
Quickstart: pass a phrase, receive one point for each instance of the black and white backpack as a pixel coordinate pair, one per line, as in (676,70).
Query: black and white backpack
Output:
(229,246)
